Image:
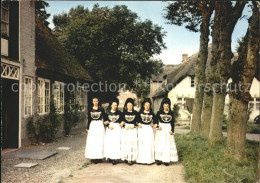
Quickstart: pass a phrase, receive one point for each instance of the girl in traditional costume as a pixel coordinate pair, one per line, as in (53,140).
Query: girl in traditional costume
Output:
(145,134)
(129,132)
(165,147)
(95,138)
(113,132)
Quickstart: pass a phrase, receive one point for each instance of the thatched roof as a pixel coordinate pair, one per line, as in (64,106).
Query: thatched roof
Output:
(53,57)
(165,71)
(176,74)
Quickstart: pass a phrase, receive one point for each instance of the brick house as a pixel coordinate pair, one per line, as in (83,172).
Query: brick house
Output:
(34,67)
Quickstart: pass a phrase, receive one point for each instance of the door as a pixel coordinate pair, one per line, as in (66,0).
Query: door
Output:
(10,113)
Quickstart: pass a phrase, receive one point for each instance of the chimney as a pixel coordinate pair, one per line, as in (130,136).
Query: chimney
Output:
(184,57)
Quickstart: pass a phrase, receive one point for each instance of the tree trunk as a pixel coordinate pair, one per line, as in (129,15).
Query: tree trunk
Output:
(215,133)
(259,163)
(206,114)
(236,130)
(200,69)
(244,71)
(225,20)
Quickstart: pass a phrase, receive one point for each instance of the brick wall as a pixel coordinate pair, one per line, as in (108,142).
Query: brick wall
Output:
(27,56)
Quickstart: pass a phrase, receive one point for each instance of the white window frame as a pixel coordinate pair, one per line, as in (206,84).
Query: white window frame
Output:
(3,21)
(81,100)
(58,95)
(181,103)
(39,92)
(27,96)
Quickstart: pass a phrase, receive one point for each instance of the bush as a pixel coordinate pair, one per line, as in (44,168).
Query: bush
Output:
(176,109)
(71,113)
(44,127)
(209,164)
(34,127)
(71,118)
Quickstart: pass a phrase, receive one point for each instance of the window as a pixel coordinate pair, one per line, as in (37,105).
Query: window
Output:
(5,18)
(81,98)
(192,83)
(254,104)
(251,105)
(72,99)
(43,96)
(59,96)
(181,103)
(28,97)
(257,104)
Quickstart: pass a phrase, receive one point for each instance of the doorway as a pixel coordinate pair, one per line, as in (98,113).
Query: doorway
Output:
(10,113)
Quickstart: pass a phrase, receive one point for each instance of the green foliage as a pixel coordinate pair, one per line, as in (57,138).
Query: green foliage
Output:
(44,127)
(85,165)
(113,44)
(176,109)
(40,10)
(253,128)
(209,164)
(51,124)
(143,88)
(188,13)
(71,114)
(34,124)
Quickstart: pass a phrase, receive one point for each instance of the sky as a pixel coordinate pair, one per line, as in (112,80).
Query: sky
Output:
(178,40)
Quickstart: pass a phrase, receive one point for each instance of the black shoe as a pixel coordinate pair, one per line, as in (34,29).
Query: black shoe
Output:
(113,162)
(158,162)
(130,163)
(94,161)
(166,164)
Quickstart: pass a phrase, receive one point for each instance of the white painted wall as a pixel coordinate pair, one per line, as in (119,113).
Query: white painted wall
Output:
(182,90)
(255,93)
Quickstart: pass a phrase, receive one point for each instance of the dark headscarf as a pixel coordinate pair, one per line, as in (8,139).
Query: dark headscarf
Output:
(165,101)
(111,102)
(149,101)
(128,100)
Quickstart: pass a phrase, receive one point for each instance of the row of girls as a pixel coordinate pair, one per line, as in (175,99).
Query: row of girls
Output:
(129,135)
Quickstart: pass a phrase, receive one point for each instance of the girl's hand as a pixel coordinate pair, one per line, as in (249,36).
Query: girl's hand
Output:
(140,125)
(132,127)
(111,127)
(127,127)
(171,132)
(122,124)
(106,122)
(155,126)
(160,128)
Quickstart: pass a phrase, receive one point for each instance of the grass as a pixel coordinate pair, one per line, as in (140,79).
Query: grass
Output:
(186,127)
(208,164)
(85,165)
(250,128)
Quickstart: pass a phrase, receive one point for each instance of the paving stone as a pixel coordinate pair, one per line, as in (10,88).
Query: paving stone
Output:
(26,165)
(64,148)
(31,154)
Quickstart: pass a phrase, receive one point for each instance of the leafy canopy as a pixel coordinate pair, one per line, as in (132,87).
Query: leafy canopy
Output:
(113,44)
